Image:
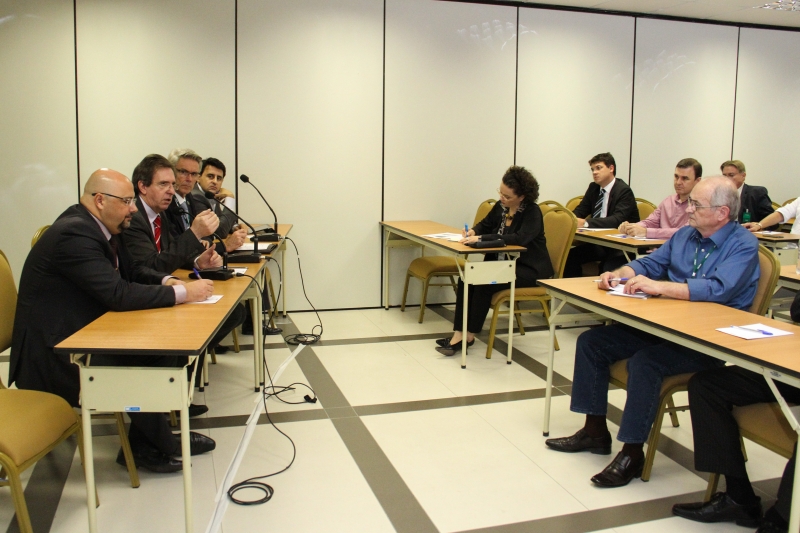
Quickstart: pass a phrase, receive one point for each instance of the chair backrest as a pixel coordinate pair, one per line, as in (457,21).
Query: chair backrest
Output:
(573,203)
(484,209)
(645,207)
(38,235)
(770,271)
(547,205)
(790,200)
(775,205)
(559,230)
(8,302)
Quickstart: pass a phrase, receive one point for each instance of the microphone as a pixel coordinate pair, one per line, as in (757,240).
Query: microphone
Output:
(270,237)
(244,256)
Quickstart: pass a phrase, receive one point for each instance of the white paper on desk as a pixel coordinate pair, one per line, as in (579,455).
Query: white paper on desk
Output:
(771,232)
(214,298)
(618,291)
(644,239)
(748,334)
(452,237)
(619,236)
(593,229)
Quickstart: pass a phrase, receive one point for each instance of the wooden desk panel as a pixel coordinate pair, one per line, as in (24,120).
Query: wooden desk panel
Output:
(416,229)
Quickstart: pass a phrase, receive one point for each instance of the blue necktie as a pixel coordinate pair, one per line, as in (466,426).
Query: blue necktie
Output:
(598,206)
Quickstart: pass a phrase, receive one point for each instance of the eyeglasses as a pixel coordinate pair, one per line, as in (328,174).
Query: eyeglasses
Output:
(695,205)
(126,201)
(185,173)
(504,196)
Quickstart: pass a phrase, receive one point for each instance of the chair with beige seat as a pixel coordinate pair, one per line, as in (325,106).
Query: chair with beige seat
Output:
(427,267)
(645,208)
(559,230)
(573,203)
(770,271)
(547,205)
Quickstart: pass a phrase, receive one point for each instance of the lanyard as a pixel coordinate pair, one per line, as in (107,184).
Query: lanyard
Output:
(695,266)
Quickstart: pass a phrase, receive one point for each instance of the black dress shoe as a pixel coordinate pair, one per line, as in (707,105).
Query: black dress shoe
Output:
(767,526)
(620,472)
(445,342)
(720,508)
(580,442)
(449,349)
(152,460)
(194,410)
(272,331)
(198,443)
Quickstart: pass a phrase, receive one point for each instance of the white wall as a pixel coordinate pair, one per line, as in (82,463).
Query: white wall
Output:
(37,120)
(685,86)
(574,98)
(768,110)
(310,103)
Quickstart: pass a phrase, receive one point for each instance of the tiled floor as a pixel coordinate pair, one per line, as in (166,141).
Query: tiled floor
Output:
(401,439)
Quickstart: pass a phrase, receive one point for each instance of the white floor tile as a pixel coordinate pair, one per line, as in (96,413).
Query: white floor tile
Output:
(671,525)
(396,322)
(339,324)
(460,469)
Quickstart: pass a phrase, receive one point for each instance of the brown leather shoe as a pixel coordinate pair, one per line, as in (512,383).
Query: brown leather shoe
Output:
(620,472)
(720,508)
(581,442)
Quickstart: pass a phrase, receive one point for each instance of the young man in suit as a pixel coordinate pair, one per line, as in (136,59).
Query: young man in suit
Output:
(212,174)
(755,202)
(76,272)
(607,203)
(714,259)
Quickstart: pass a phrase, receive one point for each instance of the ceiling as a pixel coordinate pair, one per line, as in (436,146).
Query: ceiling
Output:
(737,11)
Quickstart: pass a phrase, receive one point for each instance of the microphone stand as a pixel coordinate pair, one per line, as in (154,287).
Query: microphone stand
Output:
(244,256)
(269,237)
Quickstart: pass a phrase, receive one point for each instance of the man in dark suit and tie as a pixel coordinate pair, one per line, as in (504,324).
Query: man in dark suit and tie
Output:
(609,202)
(212,174)
(755,201)
(76,272)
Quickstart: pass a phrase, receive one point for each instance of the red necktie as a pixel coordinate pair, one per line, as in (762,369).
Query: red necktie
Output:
(157,232)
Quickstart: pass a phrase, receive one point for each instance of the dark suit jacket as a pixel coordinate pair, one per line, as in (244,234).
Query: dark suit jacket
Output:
(227,218)
(176,251)
(757,201)
(621,206)
(197,204)
(68,281)
(526,229)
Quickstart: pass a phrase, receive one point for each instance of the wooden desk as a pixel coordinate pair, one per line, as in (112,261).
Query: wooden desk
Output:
(149,389)
(283,231)
(783,245)
(789,278)
(410,233)
(775,358)
(632,247)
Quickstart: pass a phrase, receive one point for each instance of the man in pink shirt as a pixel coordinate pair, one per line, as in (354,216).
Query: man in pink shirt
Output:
(671,214)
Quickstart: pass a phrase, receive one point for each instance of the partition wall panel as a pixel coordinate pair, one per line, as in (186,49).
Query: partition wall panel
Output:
(574,97)
(310,109)
(153,76)
(768,110)
(449,125)
(685,85)
(37,120)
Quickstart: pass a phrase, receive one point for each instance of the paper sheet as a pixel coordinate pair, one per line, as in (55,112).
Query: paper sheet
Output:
(618,291)
(593,229)
(452,237)
(749,332)
(214,298)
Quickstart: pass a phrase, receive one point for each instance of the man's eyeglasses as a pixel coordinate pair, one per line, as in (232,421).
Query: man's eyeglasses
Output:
(695,205)
(126,201)
(185,173)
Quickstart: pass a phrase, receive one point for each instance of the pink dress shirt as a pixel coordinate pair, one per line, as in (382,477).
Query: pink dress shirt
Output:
(669,217)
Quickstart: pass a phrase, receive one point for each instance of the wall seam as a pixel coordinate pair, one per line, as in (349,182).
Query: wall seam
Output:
(735,90)
(633,94)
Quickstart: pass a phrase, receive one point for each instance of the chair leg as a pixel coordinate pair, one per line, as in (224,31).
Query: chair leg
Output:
(405,293)
(213,355)
(713,482)
(17,494)
(672,414)
(454,284)
(518,317)
(652,441)
(173,420)
(126,450)
(547,319)
(744,450)
(235,343)
(493,329)
(424,299)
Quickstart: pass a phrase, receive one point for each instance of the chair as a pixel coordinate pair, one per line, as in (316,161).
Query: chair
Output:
(790,200)
(547,205)
(427,267)
(775,205)
(559,229)
(645,207)
(32,423)
(573,203)
(770,271)
(38,234)
(764,424)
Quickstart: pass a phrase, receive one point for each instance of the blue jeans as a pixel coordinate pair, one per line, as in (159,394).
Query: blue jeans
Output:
(651,360)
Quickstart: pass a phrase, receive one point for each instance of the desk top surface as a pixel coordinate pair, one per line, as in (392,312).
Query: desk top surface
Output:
(419,228)
(179,330)
(777,237)
(789,272)
(697,321)
(601,236)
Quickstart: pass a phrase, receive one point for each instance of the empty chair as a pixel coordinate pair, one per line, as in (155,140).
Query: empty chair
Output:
(547,205)
(645,207)
(573,203)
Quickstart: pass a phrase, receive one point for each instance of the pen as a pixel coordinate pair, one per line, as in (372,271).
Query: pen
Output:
(466,228)
(763,332)
(196,273)
(612,279)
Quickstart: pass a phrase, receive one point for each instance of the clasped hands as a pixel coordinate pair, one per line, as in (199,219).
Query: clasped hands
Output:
(608,280)
(634,230)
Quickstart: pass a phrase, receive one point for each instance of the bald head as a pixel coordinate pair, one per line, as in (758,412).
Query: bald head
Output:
(108,195)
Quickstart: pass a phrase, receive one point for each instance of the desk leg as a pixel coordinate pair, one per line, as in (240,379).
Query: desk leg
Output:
(386,269)
(794,519)
(258,339)
(511,318)
(464,324)
(555,308)
(282,285)
(186,456)
(88,467)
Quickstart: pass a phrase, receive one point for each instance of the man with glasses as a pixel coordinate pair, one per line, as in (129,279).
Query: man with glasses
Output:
(608,202)
(714,259)
(76,272)
(754,201)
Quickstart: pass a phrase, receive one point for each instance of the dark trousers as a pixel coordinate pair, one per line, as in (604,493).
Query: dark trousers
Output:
(480,300)
(609,258)
(147,430)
